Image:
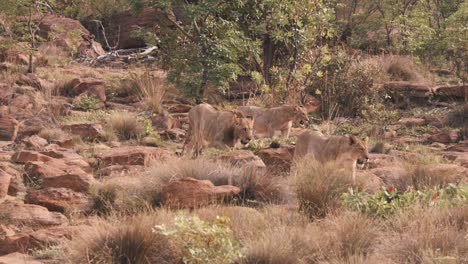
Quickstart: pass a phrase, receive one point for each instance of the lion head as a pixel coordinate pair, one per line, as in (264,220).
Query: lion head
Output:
(300,114)
(243,128)
(359,149)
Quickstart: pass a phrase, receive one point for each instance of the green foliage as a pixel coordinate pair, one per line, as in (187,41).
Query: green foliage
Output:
(203,242)
(387,201)
(87,103)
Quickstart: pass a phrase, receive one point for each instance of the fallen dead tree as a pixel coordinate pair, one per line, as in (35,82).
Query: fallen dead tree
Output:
(128,55)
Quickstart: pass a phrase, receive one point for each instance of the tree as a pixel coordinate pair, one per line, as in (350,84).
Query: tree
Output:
(35,11)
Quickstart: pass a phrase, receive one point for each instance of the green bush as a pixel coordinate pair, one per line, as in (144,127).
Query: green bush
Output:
(387,201)
(87,103)
(203,242)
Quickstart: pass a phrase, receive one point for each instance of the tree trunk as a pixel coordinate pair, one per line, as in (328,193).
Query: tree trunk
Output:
(30,63)
(268,50)
(204,82)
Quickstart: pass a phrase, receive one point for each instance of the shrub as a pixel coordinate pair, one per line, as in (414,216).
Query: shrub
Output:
(124,242)
(151,89)
(126,125)
(87,103)
(53,134)
(459,118)
(422,235)
(388,201)
(319,186)
(201,241)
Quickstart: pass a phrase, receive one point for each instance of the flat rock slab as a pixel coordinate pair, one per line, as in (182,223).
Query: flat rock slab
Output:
(131,156)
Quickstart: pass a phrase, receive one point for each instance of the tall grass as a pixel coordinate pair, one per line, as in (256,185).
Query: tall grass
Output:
(126,125)
(319,186)
(152,88)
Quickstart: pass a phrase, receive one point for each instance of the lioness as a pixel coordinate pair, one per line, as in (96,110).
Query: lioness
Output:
(219,129)
(269,120)
(346,150)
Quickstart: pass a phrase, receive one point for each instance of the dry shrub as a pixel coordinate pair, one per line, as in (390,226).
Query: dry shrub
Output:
(152,88)
(319,186)
(421,235)
(254,185)
(351,235)
(401,68)
(126,125)
(420,175)
(125,242)
(53,134)
(459,118)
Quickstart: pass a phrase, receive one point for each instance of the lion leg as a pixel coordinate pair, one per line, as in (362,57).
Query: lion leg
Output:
(271,132)
(285,132)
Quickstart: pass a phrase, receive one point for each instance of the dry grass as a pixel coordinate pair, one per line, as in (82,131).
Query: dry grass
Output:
(125,125)
(319,186)
(459,118)
(53,134)
(126,242)
(152,88)
(421,235)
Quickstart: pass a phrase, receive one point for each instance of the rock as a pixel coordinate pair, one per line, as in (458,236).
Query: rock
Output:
(412,121)
(462,146)
(164,121)
(191,193)
(8,128)
(28,156)
(455,91)
(382,160)
(5,180)
(27,241)
(446,137)
(179,108)
(35,142)
(69,157)
(277,160)
(438,145)
(368,181)
(87,131)
(30,79)
(35,216)
(390,134)
(60,200)
(175,134)
(89,87)
(243,158)
(392,176)
(131,156)
(18,258)
(16,184)
(406,91)
(33,125)
(455,156)
(409,140)
(79,182)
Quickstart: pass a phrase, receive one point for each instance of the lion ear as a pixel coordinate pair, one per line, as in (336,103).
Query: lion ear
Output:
(352,140)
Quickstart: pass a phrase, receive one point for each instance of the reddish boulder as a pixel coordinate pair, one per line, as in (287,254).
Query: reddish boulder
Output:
(79,182)
(8,128)
(35,142)
(452,91)
(19,258)
(382,160)
(462,146)
(35,216)
(16,184)
(131,156)
(451,136)
(28,156)
(408,91)
(412,121)
(368,181)
(60,199)
(277,160)
(243,158)
(89,87)
(87,131)
(27,241)
(30,79)
(458,157)
(32,125)
(191,193)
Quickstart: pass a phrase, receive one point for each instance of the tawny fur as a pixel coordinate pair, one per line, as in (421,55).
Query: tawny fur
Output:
(345,150)
(269,120)
(209,127)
